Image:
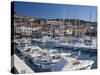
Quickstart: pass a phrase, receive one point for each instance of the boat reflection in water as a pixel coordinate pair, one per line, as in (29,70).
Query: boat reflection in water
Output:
(42,59)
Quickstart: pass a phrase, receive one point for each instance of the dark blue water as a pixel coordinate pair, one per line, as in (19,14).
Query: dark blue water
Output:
(84,55)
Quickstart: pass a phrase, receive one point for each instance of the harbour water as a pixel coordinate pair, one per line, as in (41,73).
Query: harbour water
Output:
(84,55)
(80,54)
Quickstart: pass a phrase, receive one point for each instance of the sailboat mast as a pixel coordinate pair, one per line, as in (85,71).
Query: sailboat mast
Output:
(63,20)
(69,24)
(79,28)
(69,19)
(90,32)
(75,22)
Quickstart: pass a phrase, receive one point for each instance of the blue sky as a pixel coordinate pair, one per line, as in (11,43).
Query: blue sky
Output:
(52,11)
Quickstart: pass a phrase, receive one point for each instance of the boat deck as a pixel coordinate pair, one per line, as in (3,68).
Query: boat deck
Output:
(84,64)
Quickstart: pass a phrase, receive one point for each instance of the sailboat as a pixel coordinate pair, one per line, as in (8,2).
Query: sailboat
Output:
(91,42)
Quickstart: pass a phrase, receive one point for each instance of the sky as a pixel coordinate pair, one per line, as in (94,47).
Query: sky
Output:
(54,11)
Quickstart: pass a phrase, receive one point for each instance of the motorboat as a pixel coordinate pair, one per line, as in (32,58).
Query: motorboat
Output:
(74,64)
